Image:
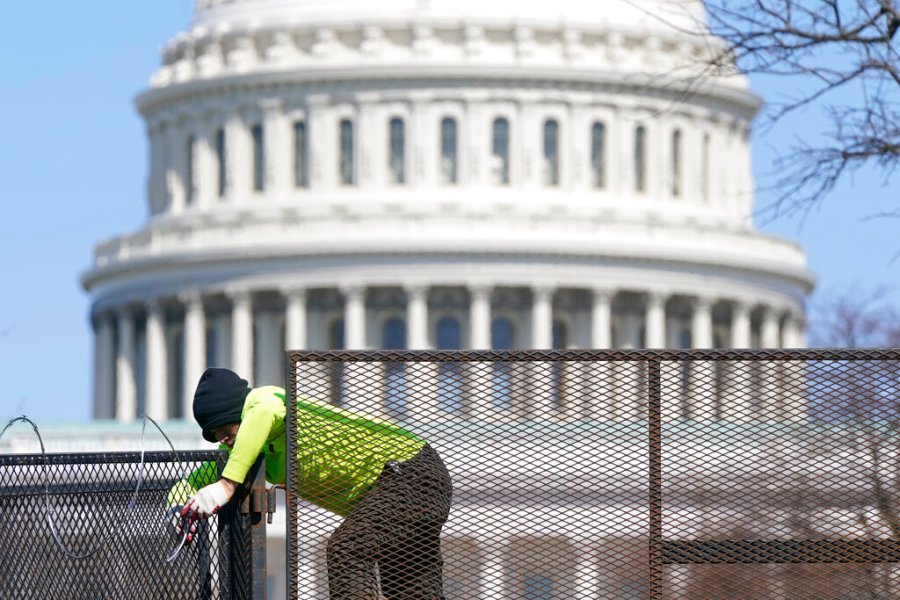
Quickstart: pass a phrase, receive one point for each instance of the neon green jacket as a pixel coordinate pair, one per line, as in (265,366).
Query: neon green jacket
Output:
(340,453)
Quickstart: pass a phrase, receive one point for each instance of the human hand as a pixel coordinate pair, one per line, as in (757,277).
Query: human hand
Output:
(209,500)
(180,526)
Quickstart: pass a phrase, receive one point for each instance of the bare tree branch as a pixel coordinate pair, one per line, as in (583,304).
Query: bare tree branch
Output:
(822,46)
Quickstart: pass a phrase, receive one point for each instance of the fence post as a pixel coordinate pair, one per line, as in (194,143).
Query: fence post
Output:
(251,528)
(654,417)
(291,502)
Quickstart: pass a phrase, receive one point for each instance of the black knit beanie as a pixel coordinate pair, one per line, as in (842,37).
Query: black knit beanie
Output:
(219,400)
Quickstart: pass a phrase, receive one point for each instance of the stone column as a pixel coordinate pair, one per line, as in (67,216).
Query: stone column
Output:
(474,146)
(770,369)
(792,334)
(126,389)
(602,375)
(737,405)
(793,396)
(238,158)
(370,140)
(740,325)
(479,403)
(104,374)
(322,133)
(422,377)
(242,334)
(542,318)
(601,319)
(769,333)
(295,328)
(355,317)
(423,146)
(155,177)
(194,347)
(157,385)
(205,170)
(417,317)
(656,320)
(701,386)
(701,326)
(587,575)
(364,382)
(543,392)
(480,317)
(178,169)
(491,580)
(278,149)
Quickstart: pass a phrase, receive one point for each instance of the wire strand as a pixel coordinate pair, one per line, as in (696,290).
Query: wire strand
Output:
(129,510)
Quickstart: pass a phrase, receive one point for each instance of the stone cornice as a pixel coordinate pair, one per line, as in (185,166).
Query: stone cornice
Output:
(179,242)
(449,82)
(328,48)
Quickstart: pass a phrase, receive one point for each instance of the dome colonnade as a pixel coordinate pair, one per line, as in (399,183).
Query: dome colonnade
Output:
(149,356)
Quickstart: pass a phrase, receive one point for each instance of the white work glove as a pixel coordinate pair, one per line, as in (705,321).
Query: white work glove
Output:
(208,501)
(181,525)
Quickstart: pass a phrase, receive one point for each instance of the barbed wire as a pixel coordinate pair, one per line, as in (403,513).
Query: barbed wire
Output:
(51,512)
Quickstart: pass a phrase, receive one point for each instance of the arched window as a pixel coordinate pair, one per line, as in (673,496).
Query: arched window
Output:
(259,158)
(450,379)
(598,155)
(704,168)
(676,163)
(449,169)
(140,364)
(166,171)
(175,369)
(551,152)
(394,338)
(189,190)
(397,151)
(449,334)
(502,334)
(502,337)
(301,155)
(220,161)
(393,334)
(560,334)
(336,335)
(640,159)
(346,161)
(500,151)
(213,340)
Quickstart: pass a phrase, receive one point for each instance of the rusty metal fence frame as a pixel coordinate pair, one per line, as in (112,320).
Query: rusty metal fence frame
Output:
(660,551)
(120,531)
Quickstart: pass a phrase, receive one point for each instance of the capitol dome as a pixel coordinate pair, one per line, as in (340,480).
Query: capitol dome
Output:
(435,175)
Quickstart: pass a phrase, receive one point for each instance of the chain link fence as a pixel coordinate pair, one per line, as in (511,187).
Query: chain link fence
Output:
(89,526)
(617,474)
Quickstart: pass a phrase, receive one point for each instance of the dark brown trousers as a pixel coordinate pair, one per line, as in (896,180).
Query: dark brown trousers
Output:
(395,527)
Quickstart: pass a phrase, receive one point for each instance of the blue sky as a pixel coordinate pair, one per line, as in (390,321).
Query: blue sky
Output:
(73,166)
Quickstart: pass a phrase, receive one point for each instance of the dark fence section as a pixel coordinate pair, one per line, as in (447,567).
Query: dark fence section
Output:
(627,474)
(77,526)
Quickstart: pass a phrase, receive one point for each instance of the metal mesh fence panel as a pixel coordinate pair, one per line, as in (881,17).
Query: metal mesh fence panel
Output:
(595,474)
(77,526)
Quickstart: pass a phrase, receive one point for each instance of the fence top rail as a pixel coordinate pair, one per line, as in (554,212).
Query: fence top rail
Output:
(88,458)
(457,356)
